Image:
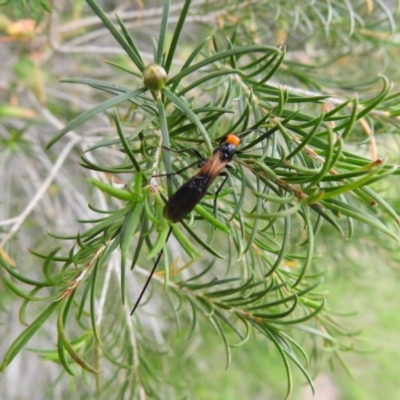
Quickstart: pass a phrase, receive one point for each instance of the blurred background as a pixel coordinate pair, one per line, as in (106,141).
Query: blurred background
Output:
(335,50)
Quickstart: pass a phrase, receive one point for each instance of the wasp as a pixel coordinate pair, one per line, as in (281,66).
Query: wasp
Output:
(185,199)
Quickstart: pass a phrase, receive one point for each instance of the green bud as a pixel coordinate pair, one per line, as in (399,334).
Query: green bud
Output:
(154,77)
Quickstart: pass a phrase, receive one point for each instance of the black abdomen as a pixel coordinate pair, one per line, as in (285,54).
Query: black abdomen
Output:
(185,199)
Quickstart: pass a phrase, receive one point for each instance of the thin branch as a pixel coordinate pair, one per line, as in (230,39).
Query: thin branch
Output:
(42,190)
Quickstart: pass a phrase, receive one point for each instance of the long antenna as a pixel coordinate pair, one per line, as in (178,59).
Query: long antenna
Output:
(151,274)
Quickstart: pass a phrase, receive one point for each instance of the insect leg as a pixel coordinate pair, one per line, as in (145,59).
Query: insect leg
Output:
(151,274)
(195,151)
(179,170)
(201,160)
(225,175)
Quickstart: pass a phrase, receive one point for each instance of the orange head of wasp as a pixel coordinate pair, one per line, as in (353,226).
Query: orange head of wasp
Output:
(228,147)
(232,139)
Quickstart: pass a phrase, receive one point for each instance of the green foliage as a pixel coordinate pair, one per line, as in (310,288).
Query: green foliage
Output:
(251,271)
(28,8)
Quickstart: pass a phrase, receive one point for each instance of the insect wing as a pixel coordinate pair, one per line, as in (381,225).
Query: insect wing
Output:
(185,199)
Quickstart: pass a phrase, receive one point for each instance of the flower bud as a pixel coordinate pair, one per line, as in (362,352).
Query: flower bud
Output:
(154,77)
